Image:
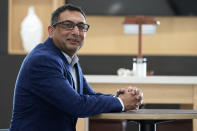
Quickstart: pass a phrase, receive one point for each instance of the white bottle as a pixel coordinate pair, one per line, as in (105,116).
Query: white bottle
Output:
(31,30)
(139,67)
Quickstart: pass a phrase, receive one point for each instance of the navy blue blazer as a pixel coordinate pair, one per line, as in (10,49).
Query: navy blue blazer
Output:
(44,98)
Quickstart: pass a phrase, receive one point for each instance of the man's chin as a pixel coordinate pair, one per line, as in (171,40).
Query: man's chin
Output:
(73,50)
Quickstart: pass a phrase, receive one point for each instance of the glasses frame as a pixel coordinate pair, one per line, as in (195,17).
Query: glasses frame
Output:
(75,24)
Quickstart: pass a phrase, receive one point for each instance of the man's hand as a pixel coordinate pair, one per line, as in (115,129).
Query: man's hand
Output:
(132,97)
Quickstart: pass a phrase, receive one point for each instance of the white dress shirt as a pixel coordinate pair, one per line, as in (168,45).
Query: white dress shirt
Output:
(72,61)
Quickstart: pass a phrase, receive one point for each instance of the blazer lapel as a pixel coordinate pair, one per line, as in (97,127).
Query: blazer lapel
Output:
(49,43)
(67,71)
(79,79)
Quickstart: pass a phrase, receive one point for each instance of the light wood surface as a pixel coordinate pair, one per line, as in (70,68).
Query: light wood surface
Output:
(175,36)
(81,124)
(150,114)
(195,106)
(154,93)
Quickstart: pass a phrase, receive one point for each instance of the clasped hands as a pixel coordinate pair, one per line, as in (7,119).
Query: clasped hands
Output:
(131,97)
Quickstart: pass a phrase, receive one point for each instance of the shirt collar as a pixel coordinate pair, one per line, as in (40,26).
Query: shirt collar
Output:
(72,61)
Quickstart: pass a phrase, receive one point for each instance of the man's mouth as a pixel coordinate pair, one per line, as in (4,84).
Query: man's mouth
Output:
(73,40)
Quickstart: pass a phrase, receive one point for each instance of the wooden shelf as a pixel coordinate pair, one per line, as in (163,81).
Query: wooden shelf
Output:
(18,11)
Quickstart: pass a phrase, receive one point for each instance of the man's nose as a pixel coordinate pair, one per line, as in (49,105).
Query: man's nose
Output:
(75,30)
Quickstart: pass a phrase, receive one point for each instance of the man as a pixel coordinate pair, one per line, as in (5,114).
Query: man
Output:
(51,91)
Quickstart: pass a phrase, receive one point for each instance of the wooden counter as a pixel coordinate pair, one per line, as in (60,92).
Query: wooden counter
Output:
(156,89)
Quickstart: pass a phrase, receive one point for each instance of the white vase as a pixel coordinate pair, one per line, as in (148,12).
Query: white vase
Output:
(31,30)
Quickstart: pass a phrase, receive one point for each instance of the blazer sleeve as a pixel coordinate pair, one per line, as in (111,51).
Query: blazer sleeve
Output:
(47,81)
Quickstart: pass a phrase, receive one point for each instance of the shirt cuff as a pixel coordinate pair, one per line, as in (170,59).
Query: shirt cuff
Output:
(121,103)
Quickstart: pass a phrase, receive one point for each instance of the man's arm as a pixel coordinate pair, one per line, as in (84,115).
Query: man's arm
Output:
(133,101)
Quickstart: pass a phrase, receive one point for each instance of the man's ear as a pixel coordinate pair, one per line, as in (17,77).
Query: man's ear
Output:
(50,31)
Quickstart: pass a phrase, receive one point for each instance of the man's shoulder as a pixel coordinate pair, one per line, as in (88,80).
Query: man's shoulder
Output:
(42,55)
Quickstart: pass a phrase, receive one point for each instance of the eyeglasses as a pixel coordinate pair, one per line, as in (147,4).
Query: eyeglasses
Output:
(70,25)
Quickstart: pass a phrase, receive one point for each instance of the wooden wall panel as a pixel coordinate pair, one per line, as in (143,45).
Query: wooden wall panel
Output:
(175,36)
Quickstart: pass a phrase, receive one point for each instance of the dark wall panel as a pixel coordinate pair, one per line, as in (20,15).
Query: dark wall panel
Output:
(8,71)
(3,26)
(161,65)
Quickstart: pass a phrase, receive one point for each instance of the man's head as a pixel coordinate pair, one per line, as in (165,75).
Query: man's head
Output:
(70,7)
(68,28)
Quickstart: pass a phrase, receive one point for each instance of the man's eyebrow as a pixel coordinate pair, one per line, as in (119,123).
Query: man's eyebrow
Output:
(73,22)
(81,23)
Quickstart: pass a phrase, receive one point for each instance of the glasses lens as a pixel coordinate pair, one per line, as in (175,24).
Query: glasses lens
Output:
(82,27)
(68,25)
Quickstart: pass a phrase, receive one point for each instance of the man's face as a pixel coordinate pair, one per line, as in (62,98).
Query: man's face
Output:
(68,40)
